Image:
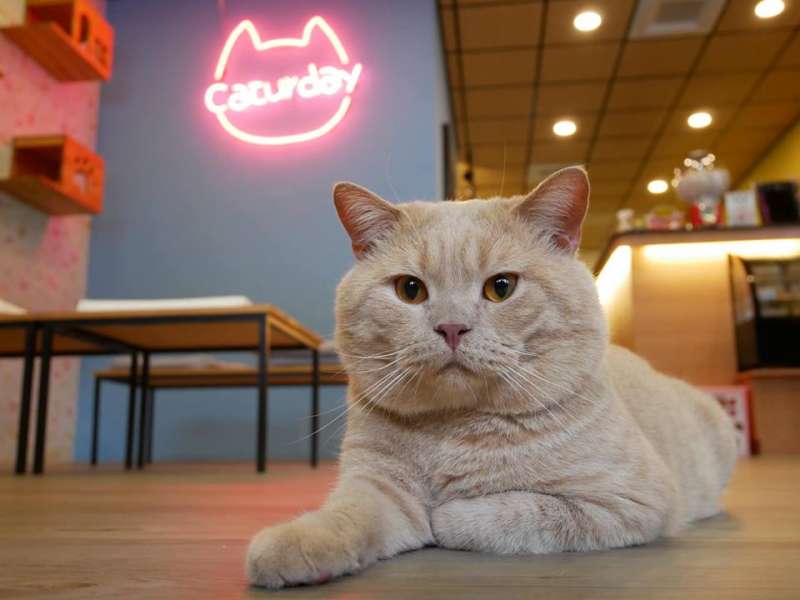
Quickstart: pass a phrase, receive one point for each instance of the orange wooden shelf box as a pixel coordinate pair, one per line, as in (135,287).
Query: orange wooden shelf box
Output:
(56,175)
(69,38)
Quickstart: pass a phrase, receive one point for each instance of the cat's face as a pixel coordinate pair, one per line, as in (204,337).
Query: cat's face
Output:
(477,304)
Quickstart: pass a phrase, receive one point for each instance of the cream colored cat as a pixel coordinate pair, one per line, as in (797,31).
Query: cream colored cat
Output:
(487,410)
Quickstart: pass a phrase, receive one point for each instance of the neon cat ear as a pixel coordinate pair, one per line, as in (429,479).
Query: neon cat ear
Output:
(366,216)
(558,205)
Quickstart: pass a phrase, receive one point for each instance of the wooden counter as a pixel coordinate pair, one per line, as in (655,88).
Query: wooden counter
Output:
(667,295)
(775,397)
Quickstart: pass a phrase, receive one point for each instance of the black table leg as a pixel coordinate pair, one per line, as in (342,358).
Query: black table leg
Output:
(314,408)
(143,410)
(263,365)
(96,419)
(132,381)
(25,400)
(44,391)
(151,416)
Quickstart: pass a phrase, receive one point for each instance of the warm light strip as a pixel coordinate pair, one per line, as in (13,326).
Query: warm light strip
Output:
(712,250)
(613,275)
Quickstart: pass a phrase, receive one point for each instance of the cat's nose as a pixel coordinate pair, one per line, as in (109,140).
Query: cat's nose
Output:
(452,333)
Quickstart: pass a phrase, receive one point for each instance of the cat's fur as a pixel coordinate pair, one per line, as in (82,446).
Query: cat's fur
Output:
(534,436)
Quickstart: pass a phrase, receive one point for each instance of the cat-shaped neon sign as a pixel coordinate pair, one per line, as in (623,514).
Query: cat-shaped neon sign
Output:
(259,109)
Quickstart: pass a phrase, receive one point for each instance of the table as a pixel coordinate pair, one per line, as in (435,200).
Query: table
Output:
(258,328)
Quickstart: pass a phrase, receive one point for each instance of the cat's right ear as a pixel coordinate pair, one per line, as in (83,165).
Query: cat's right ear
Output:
(366,217)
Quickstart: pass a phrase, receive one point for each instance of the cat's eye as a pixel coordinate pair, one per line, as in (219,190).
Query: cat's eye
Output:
(499,287)
(410,289)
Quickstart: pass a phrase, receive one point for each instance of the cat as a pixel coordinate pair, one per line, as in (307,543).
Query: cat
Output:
(487,410)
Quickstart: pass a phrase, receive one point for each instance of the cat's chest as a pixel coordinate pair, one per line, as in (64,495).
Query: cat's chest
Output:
(484,455)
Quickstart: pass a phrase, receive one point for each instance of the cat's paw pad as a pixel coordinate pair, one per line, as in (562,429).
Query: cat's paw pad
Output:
(296,554)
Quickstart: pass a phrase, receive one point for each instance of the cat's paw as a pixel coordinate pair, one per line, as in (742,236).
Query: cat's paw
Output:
(298,553)
(449,523)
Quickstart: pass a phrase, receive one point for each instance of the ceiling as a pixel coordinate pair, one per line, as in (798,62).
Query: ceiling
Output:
(515,67)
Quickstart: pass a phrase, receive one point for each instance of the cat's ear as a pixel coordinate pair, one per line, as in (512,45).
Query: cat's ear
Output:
(366,216)
(558,205)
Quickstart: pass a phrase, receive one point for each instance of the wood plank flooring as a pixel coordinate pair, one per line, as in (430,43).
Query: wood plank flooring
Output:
(180,531)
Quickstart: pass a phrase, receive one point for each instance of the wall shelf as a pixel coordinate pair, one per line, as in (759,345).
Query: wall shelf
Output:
(55,174)
(69,38)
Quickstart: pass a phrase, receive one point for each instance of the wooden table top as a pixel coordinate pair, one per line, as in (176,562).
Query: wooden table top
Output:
(162,330)
(244,376)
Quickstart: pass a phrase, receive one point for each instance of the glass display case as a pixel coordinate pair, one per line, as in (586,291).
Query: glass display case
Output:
(766,311)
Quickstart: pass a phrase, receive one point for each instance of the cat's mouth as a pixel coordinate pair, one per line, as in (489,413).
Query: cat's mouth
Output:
(454,365)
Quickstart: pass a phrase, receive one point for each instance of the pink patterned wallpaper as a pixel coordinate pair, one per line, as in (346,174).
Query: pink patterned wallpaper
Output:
(42,259)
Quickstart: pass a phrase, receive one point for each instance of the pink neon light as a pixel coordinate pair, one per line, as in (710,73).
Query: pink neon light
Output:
(241,96)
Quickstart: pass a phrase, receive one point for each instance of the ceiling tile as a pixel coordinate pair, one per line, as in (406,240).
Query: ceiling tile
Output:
(457,102)
(779,85)
(716,90)
(741,140)
(739,15)
(500,102)
(510,187)
(485,177)
(560,15)
(498,131)
(741,51)
(656,168)
(767,115)
(738,164)
(620,147)
(500,67)
(791,56)
(560,151)
(448,28)
(664,56)
(678,146)
(612,170)
(496,26)
(461,135)
(498,156)
(643,93)
(645,122)
(569,98)
(453,71)
(577,62)
(608,190)
(543,131)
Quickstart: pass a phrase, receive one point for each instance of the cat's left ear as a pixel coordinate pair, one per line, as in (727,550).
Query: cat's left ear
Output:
(558,205)
(366,217)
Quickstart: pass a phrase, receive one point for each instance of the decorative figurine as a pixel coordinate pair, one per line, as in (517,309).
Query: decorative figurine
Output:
(702,185)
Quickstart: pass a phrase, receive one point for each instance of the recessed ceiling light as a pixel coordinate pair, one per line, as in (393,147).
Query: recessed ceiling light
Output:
(699,120)
(564,128)
(766,9)
(657,186)
(588,20)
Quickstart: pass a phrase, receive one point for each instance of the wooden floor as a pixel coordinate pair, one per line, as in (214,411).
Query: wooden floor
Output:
(180,531)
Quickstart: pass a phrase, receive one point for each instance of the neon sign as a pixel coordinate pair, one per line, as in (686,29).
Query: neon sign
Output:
(260,99)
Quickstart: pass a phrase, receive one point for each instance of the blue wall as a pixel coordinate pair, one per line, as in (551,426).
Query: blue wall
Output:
(190,211)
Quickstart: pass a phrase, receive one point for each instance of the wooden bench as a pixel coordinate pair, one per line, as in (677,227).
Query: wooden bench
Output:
(214,377)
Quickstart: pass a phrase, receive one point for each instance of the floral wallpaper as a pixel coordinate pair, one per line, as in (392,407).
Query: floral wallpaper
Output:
(43,259)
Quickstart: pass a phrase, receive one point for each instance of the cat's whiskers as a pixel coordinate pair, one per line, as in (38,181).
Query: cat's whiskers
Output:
(549,400)
(567,390)
(384,355)
(519,383)
(389,389)
(355,400)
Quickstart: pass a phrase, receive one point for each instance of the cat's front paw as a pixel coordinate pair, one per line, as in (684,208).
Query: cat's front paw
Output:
(449,523)
(298,553)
